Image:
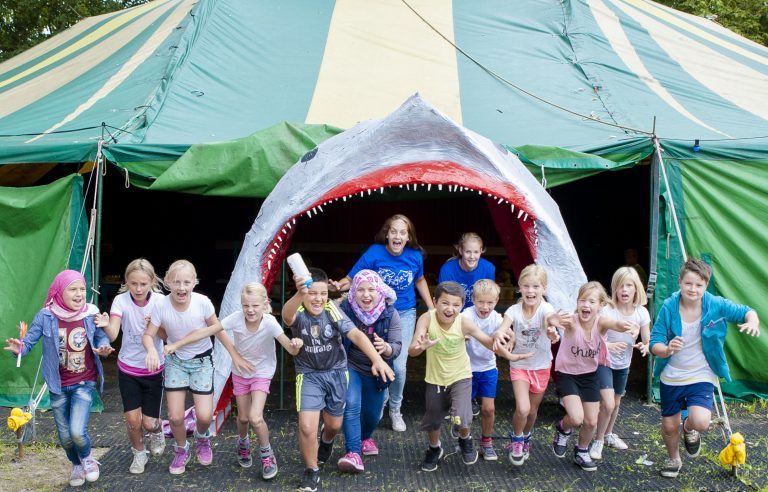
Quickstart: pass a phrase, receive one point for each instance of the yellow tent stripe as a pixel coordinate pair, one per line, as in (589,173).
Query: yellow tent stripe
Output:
(91,38)
(370,68)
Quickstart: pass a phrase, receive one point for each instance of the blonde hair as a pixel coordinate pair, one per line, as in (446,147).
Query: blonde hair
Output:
(535,271)
(144,266)
(590,287)
(258,290)
(622,275)
(484,287)
(469,236)
(174,269)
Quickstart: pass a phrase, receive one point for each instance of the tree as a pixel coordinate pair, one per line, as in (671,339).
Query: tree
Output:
(748,18)
(25,23)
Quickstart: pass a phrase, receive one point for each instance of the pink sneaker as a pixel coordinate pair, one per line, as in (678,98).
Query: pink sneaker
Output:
(369,447)
(181,457)
(204,451)
(351,462)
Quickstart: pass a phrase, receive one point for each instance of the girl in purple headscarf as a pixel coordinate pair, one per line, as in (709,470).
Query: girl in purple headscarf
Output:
(71,344)
(370,307)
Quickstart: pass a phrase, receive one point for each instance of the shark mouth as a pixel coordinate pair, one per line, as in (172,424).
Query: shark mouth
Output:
(415,148)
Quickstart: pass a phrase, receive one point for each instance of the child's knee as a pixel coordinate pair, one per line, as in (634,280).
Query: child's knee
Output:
(257,420)
(176,419)
(523,409)
(133,422)
(488,410)
(576,420)
(608,405)
(151,424)
(589,421)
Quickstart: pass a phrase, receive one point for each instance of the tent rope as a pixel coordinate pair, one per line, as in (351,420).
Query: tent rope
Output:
(501,78)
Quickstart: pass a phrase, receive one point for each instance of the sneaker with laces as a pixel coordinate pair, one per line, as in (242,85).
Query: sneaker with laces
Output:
(515,452)
(398,424)
(181,456)
(244,453)
(432,459)
(204,451)
(596,450)
(369,447)
(310,480)
(351,463)
(527,446)
(157,443)
(560,441)
(489,454)
(91,468)
(324,450)
(469,454)
(582,460)
(77,477)
(671,468)
(268,467)
(140,459)
(615,442)
(692,441)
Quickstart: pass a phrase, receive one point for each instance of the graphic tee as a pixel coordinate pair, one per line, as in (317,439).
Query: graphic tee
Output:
(531,336)
(323,349)
(399,272)
(451,270)
(75,354)
(622,360)
(257,347)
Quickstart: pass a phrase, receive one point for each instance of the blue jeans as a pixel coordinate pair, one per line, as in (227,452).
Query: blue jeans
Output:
(363,409)
(407,326)
(71,412)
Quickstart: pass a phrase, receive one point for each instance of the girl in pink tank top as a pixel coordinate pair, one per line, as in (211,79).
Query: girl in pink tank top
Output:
(581,349)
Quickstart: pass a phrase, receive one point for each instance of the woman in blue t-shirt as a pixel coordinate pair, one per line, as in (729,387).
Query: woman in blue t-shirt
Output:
(399,260)
(468,267)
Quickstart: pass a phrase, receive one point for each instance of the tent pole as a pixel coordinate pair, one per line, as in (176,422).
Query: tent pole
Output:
(100,164)
(654,248)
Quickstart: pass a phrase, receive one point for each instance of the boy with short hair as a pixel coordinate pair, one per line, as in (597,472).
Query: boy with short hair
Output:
(321,366)
(441,332)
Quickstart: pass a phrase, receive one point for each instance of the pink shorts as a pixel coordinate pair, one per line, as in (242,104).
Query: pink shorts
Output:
(537,378)
(242,386)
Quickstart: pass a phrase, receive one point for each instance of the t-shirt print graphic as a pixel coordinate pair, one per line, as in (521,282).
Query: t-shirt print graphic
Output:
(397,280)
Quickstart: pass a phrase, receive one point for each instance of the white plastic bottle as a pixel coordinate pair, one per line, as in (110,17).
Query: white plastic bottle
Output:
(299,268)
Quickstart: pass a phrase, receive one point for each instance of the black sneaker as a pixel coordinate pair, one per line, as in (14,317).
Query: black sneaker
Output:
(671,468)
(432,458)
(310,480)
(583,461)
(475,408)
(692,441)
(324,451)
(468,452)
(560,442)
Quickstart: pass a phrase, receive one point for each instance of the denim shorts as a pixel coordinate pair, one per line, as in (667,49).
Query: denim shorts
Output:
(195,374)
(615,379)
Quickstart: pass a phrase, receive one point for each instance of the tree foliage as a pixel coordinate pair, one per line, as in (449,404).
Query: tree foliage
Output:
(748,18)
(25,23)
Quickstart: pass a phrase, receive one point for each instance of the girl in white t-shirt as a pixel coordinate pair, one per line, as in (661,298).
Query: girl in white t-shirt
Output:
(531,322)
(627,300)
(141,389)
(254,331)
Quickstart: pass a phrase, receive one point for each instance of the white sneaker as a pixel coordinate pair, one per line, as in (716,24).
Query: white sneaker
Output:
(398,424)
(91,468)
(77,477)
(156,443)
(140,459)
(614,441)
(596,450)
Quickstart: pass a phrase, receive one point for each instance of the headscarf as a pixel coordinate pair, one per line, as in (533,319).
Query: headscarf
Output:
(55,302)
(385,294)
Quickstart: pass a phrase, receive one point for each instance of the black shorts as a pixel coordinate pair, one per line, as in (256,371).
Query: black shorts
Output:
(145,392)
(585,386)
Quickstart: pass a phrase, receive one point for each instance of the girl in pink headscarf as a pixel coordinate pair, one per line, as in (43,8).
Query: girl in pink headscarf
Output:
(370,307)
(71,344)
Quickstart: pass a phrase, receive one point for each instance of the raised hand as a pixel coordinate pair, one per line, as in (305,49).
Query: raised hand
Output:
(297,343)
(675,345)
(553,334)
(380,345)
(642,347)
(101,320)
(104,351)
(751,327)
(13,345)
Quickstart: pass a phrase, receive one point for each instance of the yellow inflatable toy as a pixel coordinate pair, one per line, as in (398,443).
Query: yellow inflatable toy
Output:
(735,453)
(18,419)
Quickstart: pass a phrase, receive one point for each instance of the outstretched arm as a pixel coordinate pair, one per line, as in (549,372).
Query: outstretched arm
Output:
(751,324)
(291,306)
(291,345)
(238,360)
(423,289)
(420,341)
(378,366)
(213,328)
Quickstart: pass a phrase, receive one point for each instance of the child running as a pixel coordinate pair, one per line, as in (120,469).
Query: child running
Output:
(321,368)
(529,321)
(485,375)
(141,389)
(70,369)
(581,348)
(441,332)
(254,331)
(627,300)
(469,266)
(688,339)
(188,366)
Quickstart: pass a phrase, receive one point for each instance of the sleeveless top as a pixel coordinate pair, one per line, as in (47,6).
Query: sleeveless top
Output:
(447,360)
(578,354)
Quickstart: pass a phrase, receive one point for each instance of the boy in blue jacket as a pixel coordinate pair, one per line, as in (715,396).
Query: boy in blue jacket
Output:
(688,339)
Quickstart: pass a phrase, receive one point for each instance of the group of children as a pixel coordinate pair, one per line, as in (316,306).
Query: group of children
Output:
(348,358)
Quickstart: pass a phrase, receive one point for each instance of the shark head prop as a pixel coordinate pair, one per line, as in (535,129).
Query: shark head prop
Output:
(418,148)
